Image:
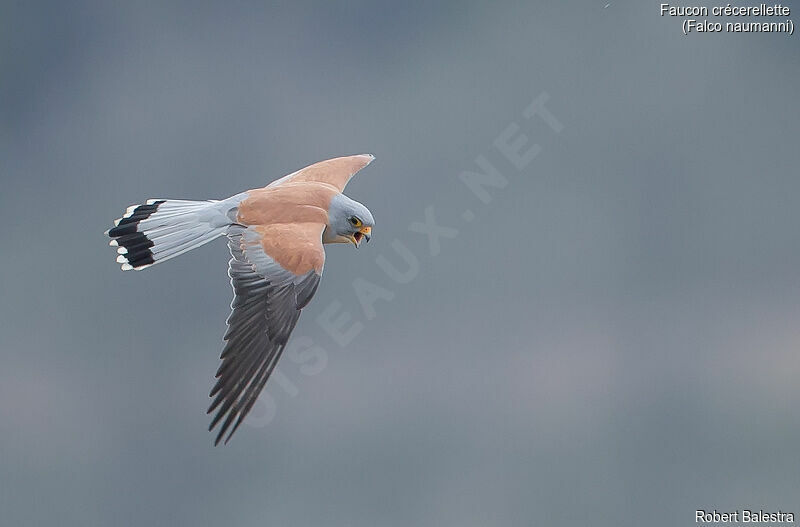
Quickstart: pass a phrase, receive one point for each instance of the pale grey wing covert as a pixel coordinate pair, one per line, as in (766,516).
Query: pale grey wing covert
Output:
(266,305)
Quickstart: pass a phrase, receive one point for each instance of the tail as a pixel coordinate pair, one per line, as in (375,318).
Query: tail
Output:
(161,229)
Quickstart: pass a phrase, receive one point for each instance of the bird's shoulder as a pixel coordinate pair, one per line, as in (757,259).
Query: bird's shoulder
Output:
(293,202)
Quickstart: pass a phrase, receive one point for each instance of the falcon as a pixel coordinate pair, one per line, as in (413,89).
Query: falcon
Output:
(275,236)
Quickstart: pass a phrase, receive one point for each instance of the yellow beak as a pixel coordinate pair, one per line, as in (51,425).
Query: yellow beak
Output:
(365,233)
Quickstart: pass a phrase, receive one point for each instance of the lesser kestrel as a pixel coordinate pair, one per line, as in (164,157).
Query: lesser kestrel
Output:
(275,236)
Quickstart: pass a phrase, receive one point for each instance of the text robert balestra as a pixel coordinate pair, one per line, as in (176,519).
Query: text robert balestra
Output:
(743,516)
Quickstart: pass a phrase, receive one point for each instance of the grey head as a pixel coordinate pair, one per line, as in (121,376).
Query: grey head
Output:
(348,222)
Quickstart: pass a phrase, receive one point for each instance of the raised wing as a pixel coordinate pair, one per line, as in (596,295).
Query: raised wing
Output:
(336,172)
(274,272)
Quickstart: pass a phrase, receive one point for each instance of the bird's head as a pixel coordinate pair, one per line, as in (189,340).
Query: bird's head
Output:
(348,222)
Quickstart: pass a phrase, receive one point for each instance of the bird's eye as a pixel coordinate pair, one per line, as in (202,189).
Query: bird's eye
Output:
(355,222)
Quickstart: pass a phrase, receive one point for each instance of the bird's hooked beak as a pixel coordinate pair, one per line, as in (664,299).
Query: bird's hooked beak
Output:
(365,233)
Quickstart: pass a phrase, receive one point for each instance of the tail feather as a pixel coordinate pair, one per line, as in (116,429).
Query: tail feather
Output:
(160,229)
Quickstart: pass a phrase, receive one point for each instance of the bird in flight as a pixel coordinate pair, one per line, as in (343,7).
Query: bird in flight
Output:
(275,236)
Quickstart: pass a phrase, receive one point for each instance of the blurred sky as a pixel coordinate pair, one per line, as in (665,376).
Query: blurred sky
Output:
(613,340)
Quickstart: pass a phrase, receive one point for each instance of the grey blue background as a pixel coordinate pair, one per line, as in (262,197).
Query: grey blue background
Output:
(614,340)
